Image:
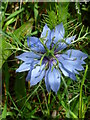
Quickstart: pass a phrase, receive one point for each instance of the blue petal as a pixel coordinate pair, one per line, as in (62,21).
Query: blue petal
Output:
(67,72)
(60,29)
(28,56)
(77,53)
(28,76)
(70,64)
(58,33)
(46,81)
(35,44)
(34,63)
(70,39)
(37,74)
(46,35)
(71,58)
(23,67)
(63,70)
(56,36)
(46,32)
(32,41)
(52,34)
(54,79)
(61,46)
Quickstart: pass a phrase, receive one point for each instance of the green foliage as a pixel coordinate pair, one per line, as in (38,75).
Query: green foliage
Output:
(4,52)
(4,113)
(81,103)
(57,15)
(12,40)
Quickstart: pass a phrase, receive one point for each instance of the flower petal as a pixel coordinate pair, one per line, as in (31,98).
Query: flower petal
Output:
(23,67)
(28,56)
(70,39)
(34,63)
(46,32)
(46,81)
(58,33)
(67,72)
(77,53)
(28,76)
(32,40)
(63,70)
(37,74)
(35,44)
(60,29)
(70,64)
(54,79)
(46,35)
(61,46)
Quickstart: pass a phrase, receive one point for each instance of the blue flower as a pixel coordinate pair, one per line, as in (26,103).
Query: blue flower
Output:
(49,58)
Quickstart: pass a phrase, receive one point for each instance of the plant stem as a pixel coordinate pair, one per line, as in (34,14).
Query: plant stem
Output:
(80,99)
(49,103)
(67,93)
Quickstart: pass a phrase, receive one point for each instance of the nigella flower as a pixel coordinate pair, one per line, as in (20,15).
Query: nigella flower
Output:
(49,58)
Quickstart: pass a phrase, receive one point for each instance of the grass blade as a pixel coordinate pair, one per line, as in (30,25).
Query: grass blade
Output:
(4,113)
(80,99)
(14,14)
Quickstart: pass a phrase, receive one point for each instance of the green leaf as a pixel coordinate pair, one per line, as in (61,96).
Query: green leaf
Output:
(6,76)
(74,116)
(81,90)
(14,14)
(25,29)
(20,89)
(74,106)
(3,6)
(36,12)
(31,114)
(4,50)
(4,113)
(8,23)
(10,114)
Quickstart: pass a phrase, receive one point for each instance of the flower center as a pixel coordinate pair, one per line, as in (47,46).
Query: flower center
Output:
(49,54)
